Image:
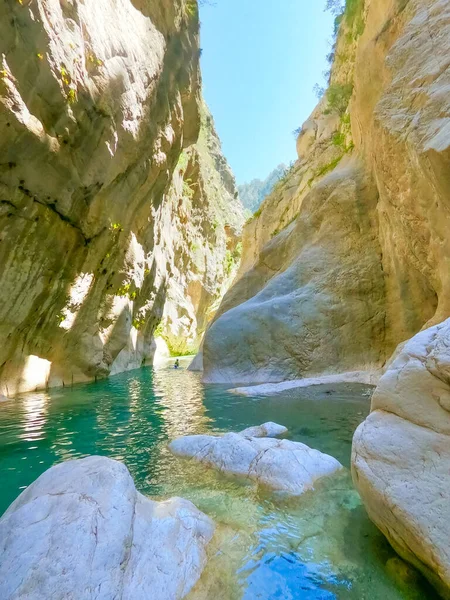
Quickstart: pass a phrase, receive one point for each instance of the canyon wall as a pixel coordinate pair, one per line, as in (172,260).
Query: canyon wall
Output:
(119,215)
(349,255)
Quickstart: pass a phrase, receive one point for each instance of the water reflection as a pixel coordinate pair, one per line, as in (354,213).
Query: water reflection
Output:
(180,395)
(35,408)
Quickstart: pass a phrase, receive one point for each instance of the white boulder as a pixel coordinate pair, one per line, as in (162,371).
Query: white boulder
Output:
(401,454)
(280,465)
(81,530)
(269,429)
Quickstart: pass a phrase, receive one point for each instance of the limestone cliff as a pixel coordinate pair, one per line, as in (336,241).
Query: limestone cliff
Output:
(349,254)
(252,194)
(115,213)
(401,454)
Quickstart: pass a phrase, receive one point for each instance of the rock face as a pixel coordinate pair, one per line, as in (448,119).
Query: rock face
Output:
(401,454)
(318,308)
(349,254)
(119,212)
(283,466)
(82,530)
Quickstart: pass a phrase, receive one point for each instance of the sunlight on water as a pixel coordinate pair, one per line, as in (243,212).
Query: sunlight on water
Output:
(318,546)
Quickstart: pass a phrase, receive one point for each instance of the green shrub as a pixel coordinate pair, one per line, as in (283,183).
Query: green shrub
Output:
(138,322)
(183,161)
(71,96)
(339,139)
(231,259)
(125,290)
(159,329)
(338,97)
(350,10)
(188,192)
(287,173)
(325,169)
(353,9)
(237,252)
(192,7)
(228,263)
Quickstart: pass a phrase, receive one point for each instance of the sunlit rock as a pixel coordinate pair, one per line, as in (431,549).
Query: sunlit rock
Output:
(120,215)
(348,256)
(269,429)
(280,465)
(401,454)
(81,530)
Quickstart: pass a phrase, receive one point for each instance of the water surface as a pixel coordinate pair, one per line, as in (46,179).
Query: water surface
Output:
(318,546)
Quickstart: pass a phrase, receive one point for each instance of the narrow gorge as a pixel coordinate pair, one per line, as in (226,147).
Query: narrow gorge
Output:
(118,208)
(199,404)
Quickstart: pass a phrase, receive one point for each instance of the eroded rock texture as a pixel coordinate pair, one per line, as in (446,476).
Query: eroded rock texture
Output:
(349,255)
(279,465)
(81,530)
(401,454)
(114,213)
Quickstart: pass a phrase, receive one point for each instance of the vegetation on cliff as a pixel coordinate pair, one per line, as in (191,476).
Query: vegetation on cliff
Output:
(113,214)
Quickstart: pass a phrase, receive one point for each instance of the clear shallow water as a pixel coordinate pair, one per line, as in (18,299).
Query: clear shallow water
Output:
(318,546)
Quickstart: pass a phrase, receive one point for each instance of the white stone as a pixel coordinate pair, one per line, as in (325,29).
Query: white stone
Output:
(401,454)
(270,389)
(81,530)
(280,465)
(269,429)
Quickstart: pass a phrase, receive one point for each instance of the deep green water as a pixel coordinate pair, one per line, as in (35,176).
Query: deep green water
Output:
(318,546)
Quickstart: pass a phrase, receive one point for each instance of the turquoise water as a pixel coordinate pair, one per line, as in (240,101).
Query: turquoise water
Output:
(318,546)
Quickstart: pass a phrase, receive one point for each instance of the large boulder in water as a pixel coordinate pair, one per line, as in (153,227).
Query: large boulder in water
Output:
(81,530)
(280,465)
(401,454)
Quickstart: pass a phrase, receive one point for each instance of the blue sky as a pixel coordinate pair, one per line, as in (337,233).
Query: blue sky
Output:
(260,61)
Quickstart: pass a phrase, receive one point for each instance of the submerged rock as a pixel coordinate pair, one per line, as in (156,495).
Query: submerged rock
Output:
(401,454)
(81,530)
(270,389)
(280,465)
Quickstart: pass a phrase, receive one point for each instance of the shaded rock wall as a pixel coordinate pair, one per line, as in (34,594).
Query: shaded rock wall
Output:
(333,279)
(98,102)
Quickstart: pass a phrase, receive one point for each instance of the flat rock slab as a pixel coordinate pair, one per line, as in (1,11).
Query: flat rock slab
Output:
(280,465)
(271,389)
(81,530)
